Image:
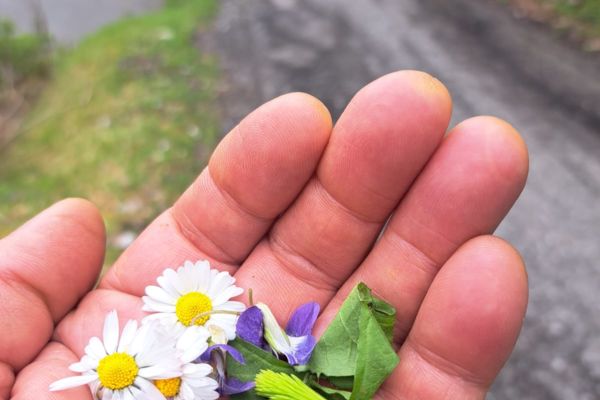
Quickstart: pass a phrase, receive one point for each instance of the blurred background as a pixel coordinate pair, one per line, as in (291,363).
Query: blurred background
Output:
(121,101)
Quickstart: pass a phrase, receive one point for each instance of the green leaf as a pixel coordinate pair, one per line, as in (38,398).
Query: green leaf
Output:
(331,393)
(342,382)
(256,360)
(376,357)
(357,344)
(386,317)
(384,312)
(335,353)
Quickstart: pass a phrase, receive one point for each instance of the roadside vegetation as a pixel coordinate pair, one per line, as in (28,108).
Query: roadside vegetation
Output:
(577,19)
(25,65)
(588,11)
(126,121)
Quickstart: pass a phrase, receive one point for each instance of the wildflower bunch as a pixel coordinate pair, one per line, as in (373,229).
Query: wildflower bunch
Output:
(199,344)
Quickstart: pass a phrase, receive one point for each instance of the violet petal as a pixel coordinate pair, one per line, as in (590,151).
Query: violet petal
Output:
(234,386)
(232,351)
(250,326)
(303,348)
(303,319)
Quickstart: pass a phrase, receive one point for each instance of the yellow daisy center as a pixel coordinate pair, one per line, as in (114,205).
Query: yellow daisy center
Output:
(168,387)
(117,371)
(190,306)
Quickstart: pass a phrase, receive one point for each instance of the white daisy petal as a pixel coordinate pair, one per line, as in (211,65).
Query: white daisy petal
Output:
(149,391)
(200,369)
(219,283)
(159,317)
(190,271)
(226,294)
(111,332)
(86,364)
(153,372)
(95,348)
(153,305)
(187,392)
(231,306)
(72,381)
(164,283)
(107,395)
(127,336)
(138,341)
(160,295)
(127,395)
(192,343)
(203,276)
(226,323)
(174,280)
(137,393)
(186,278)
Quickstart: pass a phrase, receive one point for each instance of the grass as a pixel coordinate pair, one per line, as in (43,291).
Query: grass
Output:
(579,18)
(587,11)
(22,56)
(124,123)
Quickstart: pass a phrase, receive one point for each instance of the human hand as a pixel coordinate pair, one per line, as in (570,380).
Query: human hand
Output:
(293,209)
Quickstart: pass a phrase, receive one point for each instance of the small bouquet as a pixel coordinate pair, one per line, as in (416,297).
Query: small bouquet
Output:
(198,344)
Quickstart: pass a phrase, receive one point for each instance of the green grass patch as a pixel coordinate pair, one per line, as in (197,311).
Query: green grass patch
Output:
(586,13)
(23,56)
(127,122)
(584,10)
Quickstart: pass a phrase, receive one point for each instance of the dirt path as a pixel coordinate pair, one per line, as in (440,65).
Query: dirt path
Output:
(493,64)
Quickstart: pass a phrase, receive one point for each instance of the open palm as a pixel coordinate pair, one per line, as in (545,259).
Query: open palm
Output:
(294,209)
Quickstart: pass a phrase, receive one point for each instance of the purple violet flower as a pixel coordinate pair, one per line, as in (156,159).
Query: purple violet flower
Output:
(250,327)
(227,386)
(296,343)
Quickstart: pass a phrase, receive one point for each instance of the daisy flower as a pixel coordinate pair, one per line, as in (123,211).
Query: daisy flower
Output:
(194,382)
(123,368)
(194,294)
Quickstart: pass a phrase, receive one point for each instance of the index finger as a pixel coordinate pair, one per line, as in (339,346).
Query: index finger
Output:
(252,177)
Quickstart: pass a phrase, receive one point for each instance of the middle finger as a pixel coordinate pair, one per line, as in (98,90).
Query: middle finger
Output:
(381,142)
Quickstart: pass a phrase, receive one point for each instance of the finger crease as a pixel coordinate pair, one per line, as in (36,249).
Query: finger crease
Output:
(414,256)
(444,365)
(303,268)
(233,204)
(15,281)
(190,232)
(325,194)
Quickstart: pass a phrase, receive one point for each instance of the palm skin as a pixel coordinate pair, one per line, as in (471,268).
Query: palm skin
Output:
(293,208)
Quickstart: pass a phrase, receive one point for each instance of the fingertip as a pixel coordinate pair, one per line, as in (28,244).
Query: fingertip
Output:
(58,253)
(266,160)
(499,253)
(312,104)
(474,310)
(467,324)
(426,94)
(300,118)
(502,145)
(84,212)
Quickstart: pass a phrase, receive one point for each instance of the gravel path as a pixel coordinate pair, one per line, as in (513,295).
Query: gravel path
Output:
(493,64)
